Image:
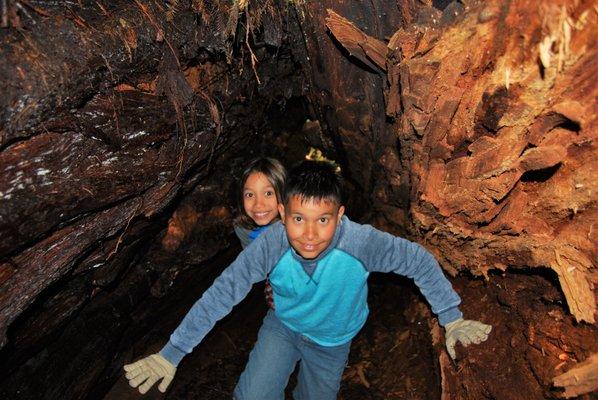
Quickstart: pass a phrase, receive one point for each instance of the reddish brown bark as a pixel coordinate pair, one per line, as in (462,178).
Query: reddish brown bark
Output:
(495,112)
(499,139)
(504,169)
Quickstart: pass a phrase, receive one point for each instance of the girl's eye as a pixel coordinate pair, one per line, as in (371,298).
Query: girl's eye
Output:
(269,193)
(248,194)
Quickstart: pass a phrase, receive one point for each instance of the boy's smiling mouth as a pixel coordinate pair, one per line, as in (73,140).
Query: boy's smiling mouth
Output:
(309,246)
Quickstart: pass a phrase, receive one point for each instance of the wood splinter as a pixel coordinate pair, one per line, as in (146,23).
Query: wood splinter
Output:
(581,379)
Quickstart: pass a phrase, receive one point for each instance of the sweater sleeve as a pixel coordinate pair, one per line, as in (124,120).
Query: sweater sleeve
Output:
(251,266)
(383,252)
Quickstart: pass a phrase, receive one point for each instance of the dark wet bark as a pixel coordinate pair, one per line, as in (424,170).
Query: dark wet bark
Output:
(123,128)
(109,115)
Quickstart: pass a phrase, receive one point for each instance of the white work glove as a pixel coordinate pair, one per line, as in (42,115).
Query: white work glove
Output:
(465,331)
(148,371)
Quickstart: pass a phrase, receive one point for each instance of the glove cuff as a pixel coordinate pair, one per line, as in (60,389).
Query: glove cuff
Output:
(450,315)
(172,353)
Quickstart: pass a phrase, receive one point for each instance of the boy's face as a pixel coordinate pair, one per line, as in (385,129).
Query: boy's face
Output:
(310,224)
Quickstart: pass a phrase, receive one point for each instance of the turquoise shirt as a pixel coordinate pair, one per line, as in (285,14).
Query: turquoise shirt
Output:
(330,306)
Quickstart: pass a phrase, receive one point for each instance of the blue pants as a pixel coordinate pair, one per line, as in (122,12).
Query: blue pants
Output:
(273,359)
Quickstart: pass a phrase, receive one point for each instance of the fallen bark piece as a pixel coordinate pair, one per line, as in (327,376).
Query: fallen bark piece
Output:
(581,379)
(367,49)
(542,157)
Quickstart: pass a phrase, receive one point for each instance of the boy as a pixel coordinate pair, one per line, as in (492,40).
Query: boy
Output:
(318,262)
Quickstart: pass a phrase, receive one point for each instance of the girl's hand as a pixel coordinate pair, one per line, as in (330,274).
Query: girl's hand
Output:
(268,294)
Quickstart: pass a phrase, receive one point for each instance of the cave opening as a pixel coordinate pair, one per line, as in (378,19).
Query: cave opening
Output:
(125,127)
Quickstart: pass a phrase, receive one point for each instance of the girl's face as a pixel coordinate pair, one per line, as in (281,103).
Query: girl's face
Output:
(259,199)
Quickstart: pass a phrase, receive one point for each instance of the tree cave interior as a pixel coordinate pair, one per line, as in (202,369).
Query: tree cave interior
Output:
(468,127)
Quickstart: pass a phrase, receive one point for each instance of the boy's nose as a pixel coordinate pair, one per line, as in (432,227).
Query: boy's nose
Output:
(310,232)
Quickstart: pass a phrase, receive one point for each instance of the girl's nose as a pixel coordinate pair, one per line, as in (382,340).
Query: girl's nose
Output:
(259,200)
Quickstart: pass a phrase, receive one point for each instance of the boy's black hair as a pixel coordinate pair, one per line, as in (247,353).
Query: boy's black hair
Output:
(314,180)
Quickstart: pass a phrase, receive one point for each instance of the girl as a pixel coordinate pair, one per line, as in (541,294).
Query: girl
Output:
(261,188)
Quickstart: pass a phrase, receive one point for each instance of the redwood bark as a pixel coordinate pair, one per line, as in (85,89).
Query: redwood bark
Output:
(504,159)
(122,127)
(494,105)
(499,147)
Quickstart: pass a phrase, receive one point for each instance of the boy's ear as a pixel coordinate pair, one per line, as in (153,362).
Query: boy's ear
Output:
(281,212)
(341,212)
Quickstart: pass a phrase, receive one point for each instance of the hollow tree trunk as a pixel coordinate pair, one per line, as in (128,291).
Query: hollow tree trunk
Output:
(347,98)
(471,126)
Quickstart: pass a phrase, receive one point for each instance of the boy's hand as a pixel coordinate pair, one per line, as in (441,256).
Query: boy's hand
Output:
(150,370)
(465,331)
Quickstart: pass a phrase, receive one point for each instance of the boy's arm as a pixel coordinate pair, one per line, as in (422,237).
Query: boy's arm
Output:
(383,252)
(251,266)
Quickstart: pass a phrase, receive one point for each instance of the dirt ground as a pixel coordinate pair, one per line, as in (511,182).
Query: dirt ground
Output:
(533,340)
(393,357)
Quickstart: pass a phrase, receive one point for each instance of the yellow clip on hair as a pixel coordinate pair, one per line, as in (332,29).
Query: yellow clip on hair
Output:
(317,155)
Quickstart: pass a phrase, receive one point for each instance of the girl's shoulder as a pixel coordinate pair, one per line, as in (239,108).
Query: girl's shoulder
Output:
(247,235)
(243,234)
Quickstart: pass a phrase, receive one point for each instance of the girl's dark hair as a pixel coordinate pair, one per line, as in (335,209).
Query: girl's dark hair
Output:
(276,174)
(314,180)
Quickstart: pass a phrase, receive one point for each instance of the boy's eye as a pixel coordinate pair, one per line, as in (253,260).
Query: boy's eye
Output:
(323,220)
(297,219)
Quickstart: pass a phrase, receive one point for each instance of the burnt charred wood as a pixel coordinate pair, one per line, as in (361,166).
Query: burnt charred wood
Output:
(349,103)
(109,114)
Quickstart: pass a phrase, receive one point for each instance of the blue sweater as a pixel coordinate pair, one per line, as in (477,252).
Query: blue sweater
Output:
(325,298)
